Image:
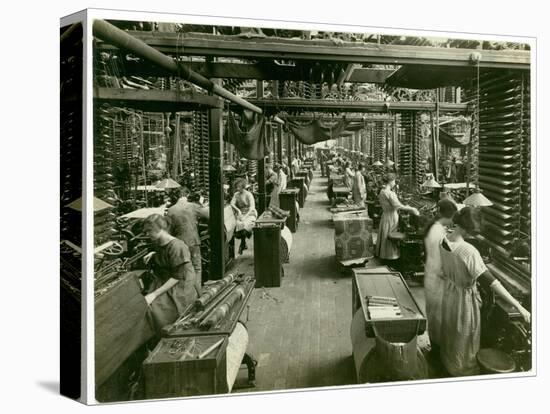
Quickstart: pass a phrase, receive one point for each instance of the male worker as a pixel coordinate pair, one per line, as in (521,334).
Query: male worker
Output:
(184,216)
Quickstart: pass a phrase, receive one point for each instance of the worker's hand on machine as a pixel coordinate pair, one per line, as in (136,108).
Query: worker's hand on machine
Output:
(147,257)
(415,211)
(150,298)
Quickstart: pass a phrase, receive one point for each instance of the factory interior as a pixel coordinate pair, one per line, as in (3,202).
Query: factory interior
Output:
(266,203)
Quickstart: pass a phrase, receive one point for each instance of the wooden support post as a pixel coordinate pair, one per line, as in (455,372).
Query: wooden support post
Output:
(216,201)
(280,143)
(289,151)
(261,163)
(436,137)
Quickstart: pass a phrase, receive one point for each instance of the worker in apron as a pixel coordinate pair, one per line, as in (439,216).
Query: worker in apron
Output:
(272,186)
(173,287)
(433,271)
(386,249)
(358,188)
(184,218)
(244,206)
(462,268)
(348,175)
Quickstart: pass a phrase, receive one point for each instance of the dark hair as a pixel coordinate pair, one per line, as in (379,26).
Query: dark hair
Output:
(240,181)
(194,197)
(389,177)
(158,221)
(467,218)
(446,209)
(185,191)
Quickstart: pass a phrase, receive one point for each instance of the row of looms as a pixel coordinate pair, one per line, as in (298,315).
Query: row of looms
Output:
(451,119)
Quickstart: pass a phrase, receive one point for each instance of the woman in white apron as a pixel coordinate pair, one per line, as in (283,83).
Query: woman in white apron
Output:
(245,208)
(460,312)
(433,272)
(386,249)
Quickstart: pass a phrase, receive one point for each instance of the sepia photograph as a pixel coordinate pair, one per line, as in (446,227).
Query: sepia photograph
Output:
(278,209)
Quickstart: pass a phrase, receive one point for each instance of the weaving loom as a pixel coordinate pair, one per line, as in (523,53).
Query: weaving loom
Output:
(504,149)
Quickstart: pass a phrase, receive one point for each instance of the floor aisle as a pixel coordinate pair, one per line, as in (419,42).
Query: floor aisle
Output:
(300,332)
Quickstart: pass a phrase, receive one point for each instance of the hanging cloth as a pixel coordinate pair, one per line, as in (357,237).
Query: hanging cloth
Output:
(248,137)
(315,131)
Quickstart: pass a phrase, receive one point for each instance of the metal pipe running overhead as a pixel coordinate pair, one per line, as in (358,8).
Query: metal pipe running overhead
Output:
(119,38)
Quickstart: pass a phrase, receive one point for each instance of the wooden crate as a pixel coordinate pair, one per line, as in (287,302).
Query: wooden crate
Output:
(391,284)
(167,377)
(352,236)
(267,255)
(287,200)
(299,182)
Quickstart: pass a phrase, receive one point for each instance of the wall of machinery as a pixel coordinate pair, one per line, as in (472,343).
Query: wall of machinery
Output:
(502,169)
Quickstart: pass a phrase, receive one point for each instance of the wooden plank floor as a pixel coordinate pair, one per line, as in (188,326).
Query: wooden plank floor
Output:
(299,333)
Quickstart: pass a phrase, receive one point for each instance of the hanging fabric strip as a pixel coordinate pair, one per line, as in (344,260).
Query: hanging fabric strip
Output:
(315,131)
(249,137)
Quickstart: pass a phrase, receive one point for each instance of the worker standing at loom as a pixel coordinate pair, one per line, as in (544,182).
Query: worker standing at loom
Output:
(184,217)
(386,249)
(359,189)
(173,287)
(433,271)
(272,185)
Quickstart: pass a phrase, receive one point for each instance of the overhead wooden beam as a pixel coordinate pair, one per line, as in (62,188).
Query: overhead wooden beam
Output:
(157,100)
(201,44)
(113,35)
(369,75)
(323,105)
(258,71)
(355,119)
(344,76)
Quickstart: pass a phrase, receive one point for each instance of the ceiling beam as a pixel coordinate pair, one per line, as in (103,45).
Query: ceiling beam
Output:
(336,106)
(258,71)
(201,44)
(156,100)
(369,75)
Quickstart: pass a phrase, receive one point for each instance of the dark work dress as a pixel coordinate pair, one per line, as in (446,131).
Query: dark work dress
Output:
(172,260)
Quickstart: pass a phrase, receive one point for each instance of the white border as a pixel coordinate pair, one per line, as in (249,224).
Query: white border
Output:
(109,14)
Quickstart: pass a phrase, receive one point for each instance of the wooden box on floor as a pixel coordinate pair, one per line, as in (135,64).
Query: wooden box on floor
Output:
(299,183)
(267,255)
(167,377)
(287,201)
(383,282)
(352,236)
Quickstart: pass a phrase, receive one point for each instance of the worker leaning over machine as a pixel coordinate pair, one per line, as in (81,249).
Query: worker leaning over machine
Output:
(184,217)
(386,249)
(173,285)
(460,312)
